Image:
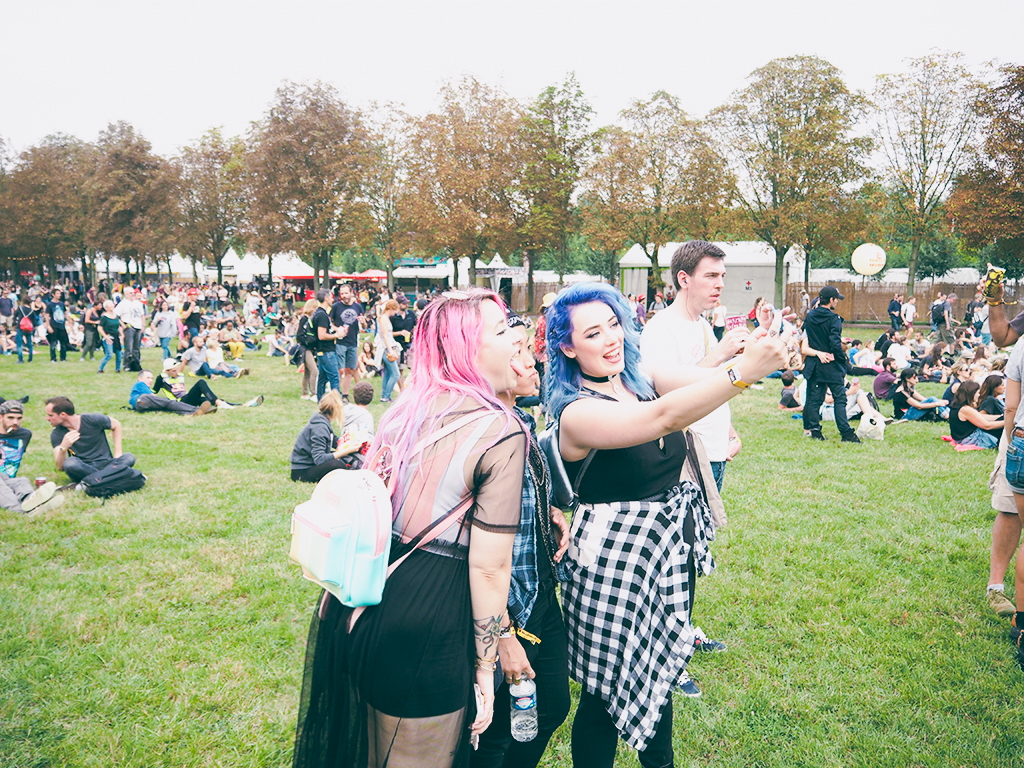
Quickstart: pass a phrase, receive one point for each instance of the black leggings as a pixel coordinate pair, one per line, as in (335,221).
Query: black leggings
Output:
(316,474)
(594,735)
(196,396)
(598,737)
(199,394)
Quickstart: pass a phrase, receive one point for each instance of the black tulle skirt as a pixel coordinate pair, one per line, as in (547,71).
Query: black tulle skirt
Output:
(396,690)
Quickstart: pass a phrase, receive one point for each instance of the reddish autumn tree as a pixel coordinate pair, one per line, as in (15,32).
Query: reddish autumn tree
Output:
(464,165)
(986,206)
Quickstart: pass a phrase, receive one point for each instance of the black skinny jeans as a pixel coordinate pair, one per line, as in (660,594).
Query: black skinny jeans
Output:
(317,473)
(595,738)
(59,335)
(550,662)
(594,735)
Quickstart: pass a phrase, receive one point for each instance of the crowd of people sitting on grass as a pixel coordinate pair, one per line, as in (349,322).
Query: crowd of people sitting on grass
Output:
(898,362)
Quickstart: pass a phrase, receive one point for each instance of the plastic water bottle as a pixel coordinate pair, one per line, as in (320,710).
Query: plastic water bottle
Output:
(524,709)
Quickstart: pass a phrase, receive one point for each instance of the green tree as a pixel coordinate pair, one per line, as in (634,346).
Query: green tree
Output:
(132,203)
(926,120)
(557,141)
(305,172)
(654,180)
(603,219)
(48,200)
(789,136)
(211,196)
(387,188)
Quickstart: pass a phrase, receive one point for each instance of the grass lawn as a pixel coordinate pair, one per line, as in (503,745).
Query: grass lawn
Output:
(166,627)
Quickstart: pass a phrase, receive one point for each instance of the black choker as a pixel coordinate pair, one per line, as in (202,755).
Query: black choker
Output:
(598,379)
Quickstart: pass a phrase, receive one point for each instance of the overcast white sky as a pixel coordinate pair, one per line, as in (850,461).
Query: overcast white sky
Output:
(174,70)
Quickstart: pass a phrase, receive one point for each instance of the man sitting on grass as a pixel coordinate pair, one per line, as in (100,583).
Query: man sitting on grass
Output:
(142,398)
(16,493)
(79,441)
(357,416)
(885,382)
(196,357)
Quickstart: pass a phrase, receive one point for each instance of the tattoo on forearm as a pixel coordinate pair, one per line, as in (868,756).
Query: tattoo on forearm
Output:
(486,633)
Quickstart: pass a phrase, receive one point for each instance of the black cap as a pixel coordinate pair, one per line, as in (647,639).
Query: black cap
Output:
(828,293)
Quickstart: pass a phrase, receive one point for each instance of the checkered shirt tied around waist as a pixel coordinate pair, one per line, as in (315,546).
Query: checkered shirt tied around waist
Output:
(627,605)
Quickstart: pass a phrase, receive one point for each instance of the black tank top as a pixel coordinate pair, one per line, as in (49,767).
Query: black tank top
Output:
(628,474)
(959,428)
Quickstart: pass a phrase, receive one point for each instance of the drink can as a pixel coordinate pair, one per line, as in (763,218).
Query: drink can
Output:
(40,482)
(736,321)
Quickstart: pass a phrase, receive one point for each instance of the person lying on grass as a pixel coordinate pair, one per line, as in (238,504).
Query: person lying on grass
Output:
(200,399)
(173,381)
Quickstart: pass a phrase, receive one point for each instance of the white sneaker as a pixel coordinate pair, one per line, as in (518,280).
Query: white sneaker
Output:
(38,497)
(53,503)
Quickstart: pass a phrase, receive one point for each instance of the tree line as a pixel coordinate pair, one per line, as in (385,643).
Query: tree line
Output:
(928,165)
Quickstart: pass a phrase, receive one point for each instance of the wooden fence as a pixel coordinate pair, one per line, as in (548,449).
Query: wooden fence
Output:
(539,289)
(869,302)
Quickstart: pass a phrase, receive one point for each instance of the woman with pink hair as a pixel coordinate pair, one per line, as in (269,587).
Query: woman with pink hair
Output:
(397,686)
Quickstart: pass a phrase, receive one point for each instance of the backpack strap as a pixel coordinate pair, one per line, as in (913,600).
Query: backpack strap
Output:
(373,461)
(434,530)
(437,527)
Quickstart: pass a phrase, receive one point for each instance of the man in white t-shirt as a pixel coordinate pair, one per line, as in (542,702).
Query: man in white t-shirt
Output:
(680,336)
(900,352)
(133,315)
(908,311)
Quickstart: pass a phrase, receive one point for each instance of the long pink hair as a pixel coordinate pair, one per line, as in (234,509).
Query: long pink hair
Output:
(447,341)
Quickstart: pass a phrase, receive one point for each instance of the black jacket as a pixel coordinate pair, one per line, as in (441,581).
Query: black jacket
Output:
(824,330)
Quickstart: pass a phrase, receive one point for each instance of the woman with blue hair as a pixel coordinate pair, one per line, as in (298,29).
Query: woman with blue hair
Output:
(640,535)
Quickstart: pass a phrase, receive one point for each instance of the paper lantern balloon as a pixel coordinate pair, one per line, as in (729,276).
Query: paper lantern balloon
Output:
(868,259)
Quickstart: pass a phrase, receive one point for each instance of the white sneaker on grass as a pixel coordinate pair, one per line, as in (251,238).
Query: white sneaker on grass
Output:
(54,502)
(38,497)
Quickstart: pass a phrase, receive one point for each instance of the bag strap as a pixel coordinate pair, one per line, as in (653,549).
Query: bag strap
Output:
(436,528)
(433,437)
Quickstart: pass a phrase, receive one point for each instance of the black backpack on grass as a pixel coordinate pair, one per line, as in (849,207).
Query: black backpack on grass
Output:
(113,480)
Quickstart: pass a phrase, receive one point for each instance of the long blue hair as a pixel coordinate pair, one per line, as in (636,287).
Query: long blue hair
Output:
(562,380)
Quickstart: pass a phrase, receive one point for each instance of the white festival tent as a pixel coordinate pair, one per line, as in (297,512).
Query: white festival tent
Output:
(234,268)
